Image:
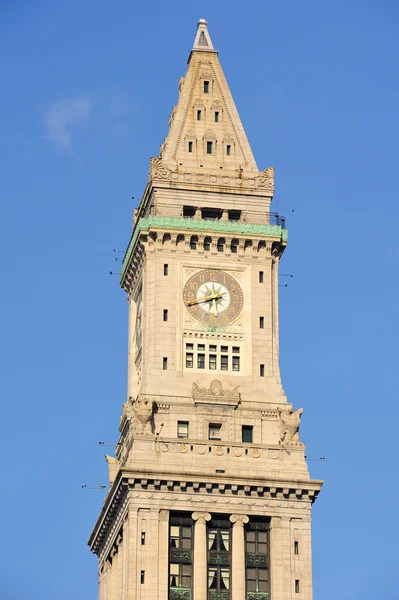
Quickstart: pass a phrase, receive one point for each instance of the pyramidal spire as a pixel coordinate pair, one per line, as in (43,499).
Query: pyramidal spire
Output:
(202,39)
(205,130)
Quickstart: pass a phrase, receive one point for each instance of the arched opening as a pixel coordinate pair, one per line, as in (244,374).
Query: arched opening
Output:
(207,243)
(221,243)
(234,245)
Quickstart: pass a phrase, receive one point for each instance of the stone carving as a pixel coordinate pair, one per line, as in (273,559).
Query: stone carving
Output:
(215,390)
(268,173)
(158,169)
(113,468)
(266,178)
(289,422)
(139,413)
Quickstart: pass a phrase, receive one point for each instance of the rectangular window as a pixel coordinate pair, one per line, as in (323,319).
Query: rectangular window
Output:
(228,150)
(212,348)
(247,434)
(143,538)
(236,363)
(234,215)
(209,147)
(165,363)
(257,559)
(262,322)
(296,547)
(206,87)
(224,348)
(165,314)
(201,361)
(188,211)
(189,346)
(219,559)
(190,146)
(297,586)
(189,360)
(224,362)
(260,276)
(198,115)
(165,269)
(212,362)
(216,117)
(236,350)
(262,370)
(214,431)
(201,347)
(182,429)
(142,577)
(180,576)
(180,556)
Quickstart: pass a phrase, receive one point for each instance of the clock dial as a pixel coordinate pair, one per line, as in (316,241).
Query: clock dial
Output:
(213,297)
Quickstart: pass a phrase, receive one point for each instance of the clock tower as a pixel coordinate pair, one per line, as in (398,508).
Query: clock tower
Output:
(210,495)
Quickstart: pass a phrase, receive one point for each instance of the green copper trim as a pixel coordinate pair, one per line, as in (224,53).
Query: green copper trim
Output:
(202,225)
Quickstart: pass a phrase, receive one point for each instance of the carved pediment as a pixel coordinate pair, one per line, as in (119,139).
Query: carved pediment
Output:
(216,393)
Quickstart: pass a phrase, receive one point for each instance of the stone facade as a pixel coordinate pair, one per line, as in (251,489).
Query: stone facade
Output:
(209,446)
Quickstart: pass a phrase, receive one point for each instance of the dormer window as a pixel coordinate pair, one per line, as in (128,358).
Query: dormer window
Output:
(199,115)
(209,147)
(206,87)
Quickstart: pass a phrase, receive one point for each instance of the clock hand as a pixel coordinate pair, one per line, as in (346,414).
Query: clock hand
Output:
(214,306)
(205,298)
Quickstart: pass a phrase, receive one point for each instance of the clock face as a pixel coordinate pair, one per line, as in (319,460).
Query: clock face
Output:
(213,297)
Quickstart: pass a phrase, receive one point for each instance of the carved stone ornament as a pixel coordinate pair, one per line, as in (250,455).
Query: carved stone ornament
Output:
(158,169)
(289,422)
(266,178)
(215,391)
(139,413)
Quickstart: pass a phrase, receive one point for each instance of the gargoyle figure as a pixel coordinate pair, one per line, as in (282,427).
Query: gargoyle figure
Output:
(140,413)
(289,421)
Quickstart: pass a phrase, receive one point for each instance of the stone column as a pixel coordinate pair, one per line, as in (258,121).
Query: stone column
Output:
(238,557)
(163,559)
(200,555)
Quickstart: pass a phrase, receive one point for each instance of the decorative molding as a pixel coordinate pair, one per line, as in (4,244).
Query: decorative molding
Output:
(239,519)
(234,227)
(201,517)
(158,169)
(216,393)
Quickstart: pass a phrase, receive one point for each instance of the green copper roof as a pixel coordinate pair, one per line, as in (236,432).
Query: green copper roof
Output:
(275,231)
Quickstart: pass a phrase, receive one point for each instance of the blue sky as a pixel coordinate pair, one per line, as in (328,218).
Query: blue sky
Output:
(87,88)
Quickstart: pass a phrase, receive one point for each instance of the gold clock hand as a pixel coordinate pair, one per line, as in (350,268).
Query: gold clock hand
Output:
(214,306)
(205,298)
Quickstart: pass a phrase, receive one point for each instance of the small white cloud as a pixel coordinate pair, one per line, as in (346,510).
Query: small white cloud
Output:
(62,115)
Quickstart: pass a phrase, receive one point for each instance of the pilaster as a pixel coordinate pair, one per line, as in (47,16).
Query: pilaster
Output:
(200,555)
(238,557)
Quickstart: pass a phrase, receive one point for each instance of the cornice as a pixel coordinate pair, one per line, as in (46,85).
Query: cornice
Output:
(233,227)
(283,489)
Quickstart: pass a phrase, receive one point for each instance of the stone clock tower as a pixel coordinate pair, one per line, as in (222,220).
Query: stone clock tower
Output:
(210,495)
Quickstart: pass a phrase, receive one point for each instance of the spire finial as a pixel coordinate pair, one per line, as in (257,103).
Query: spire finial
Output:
(202,39)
